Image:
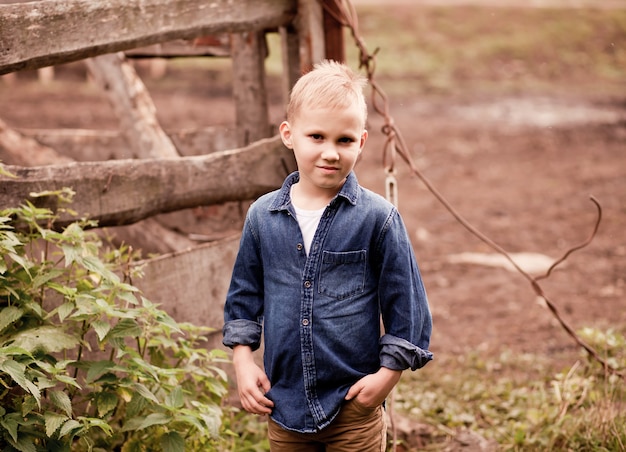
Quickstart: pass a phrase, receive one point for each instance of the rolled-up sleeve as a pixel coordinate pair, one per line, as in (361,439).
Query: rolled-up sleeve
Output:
(404,305)
(243,310)
(242,332)
(399,354)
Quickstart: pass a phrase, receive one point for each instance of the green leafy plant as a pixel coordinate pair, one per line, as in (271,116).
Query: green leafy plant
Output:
(86,362)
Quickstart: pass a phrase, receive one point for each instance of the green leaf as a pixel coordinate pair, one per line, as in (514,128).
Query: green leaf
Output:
(53,421)
(65,310)
(47,338)
(145,366)
(106,402)
(63,290)
(101,424)
(212,421)
(140,423)
(165,319)
(29,404)
(97,368)
(127,296)
(175,398)
(10,425)
(11,350)
(34,307)
(194,419)
(95,265)
(136,405)
(24,444)
(62,401)
(71,254)
(68,380)
(17,371)
(9,315)
(125,328)
(68,427)
(145,392)
(44,277)
(133,445)
(22,262)
(44,382)
(102,328)
(172,442)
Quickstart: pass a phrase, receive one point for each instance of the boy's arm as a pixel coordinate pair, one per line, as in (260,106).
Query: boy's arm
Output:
(252,383)
(404,305)
(373,389)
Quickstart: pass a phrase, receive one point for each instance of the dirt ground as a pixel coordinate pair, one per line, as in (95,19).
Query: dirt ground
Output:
(519,168)
(521,171)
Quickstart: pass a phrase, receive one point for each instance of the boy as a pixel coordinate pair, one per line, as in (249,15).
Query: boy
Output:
(320,260)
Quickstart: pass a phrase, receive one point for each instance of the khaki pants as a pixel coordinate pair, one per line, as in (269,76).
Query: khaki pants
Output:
(356,428)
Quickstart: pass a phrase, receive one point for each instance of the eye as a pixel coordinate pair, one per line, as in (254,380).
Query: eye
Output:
(316,136)
(346,140)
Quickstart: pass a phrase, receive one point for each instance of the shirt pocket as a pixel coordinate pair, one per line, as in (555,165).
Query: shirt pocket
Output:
(342,274)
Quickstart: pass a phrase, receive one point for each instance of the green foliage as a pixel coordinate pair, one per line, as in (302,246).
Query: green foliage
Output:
(86,362)
(518,403)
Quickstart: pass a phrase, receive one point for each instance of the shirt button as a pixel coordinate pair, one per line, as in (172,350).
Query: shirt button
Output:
(299,246)
(307,284)
(305,322)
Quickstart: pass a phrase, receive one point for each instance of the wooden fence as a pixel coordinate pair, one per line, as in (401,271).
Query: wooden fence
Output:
(149,172)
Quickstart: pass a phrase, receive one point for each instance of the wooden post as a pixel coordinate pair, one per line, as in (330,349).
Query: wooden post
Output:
(333,33)
(309,22)
(248,50)
(133,105)
(290,50)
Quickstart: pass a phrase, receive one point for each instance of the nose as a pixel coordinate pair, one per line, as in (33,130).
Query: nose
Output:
(330,154)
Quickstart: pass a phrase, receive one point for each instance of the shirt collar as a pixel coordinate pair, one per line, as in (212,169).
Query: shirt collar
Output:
(349,191)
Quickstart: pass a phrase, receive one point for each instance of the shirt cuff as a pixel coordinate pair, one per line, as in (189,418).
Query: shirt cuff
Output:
(399,354)
(242,332)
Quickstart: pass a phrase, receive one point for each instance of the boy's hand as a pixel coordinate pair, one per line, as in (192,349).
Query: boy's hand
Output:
(373,389)
(252,383)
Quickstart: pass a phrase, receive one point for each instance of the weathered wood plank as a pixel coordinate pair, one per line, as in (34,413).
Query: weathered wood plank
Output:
(249,50)
(19,149)
(310,26)
(133,106)
(334,47)
(290,47)
(191,285)
(45,33)
(91,145)
(184,48)
(125,191)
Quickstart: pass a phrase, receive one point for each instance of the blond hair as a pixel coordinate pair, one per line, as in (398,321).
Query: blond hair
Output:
(330,84)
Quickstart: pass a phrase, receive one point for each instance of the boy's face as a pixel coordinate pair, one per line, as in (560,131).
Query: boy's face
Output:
(326,143)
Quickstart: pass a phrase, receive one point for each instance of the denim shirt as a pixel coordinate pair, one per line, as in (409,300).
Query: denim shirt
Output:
(321,313)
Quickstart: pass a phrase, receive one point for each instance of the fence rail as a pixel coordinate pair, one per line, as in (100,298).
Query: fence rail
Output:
(45,33)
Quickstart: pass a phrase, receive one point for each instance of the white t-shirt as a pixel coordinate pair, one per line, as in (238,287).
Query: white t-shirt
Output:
(308,221)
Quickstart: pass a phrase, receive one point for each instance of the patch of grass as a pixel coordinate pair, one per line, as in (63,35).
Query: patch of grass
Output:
(517,400)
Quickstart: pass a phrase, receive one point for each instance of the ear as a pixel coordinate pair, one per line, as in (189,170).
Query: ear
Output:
(363,140)
(285,134)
